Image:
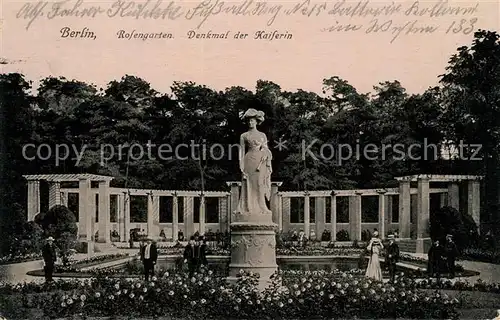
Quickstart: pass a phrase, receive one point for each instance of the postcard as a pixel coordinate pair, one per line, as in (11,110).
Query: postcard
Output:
(250,159)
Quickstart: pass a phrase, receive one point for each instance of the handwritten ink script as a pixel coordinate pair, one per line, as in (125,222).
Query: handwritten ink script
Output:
(396,19)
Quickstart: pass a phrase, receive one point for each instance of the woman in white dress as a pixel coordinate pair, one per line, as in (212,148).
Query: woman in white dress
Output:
(374,248)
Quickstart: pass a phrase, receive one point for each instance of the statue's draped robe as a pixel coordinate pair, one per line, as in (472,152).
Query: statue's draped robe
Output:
(256,186)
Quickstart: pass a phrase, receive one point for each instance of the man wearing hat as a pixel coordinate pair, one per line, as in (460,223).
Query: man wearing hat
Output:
(190,256)
(451,252)
(392,257)
(203,251)
(49,258)
(149,255)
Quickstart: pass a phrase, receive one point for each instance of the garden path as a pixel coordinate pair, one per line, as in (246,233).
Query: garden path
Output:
(16,273)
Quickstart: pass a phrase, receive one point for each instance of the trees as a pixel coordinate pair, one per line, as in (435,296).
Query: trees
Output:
(471,97)
(128,111)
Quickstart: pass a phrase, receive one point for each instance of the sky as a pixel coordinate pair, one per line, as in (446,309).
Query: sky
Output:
(399,50)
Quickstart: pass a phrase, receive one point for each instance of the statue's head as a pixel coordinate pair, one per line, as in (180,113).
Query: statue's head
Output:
(253,117)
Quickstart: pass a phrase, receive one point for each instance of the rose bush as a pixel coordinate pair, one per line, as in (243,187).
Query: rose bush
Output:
(292,295)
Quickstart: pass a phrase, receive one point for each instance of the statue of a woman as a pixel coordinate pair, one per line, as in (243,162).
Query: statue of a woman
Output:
(255,164)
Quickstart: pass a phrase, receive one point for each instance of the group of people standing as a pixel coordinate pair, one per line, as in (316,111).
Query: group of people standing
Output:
(442,257)
(195,254)
(374,248)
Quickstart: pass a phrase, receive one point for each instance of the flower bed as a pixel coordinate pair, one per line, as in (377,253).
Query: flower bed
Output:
(319,251)
(482,255)
(307,251)
(76,265)
(479,285)
(206,296)
(18,259)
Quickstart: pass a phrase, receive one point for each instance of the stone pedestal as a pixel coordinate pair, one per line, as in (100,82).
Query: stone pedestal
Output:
(253,247)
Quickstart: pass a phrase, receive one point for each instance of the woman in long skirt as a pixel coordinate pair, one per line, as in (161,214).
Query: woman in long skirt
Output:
(374,248)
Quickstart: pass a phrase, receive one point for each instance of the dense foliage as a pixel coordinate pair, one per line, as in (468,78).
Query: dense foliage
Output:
(460,225)
(465,107)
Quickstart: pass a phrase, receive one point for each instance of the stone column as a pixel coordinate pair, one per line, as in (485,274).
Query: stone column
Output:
(474,202)
(153,215)
(423,208)
(320,207)
(188,217)
(280,213)
(286,214)
(381,214)
(413,216)
(355,217)
(228,213)
(175,217)
(307,215)
(104,220)
(223,222)
(126,223)
(333,217)
(33,199)
(156,216)
(388,213)
(120,215)
(54,194)
(454,195)
(404,209)
(93,202)
(202,214)
(274,200)
(86,214)
(84,208)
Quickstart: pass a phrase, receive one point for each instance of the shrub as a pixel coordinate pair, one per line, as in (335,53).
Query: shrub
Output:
(12,230)
(31,239)
(293,295)
(60,223)
(448,220)
(58,220)
(326,235)
(343,235)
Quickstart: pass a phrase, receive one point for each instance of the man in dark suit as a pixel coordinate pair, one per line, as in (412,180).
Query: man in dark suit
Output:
(49,258)
(434,260)
(203,251)
(190,256)
(451,251)
(392,256)
(149,255)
